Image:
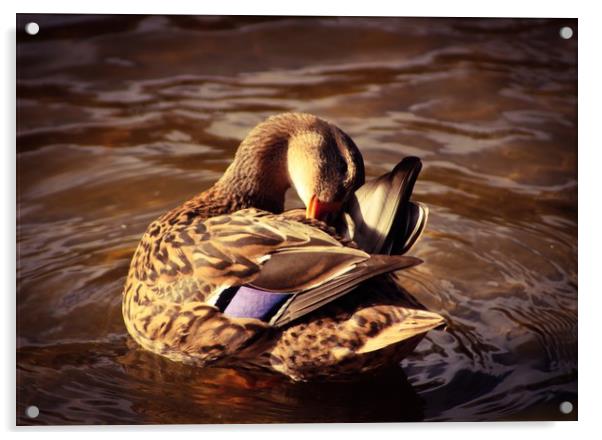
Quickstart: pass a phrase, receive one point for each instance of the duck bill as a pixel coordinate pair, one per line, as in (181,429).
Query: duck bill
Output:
(321,210)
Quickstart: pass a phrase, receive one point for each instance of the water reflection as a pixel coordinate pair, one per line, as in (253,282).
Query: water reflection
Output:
(70,393)
(121,118)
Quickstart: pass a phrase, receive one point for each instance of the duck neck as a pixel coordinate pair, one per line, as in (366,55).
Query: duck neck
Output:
(258,176)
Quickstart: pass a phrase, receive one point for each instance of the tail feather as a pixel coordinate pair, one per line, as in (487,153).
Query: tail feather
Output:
(380,217)
(417,218)
(417,322)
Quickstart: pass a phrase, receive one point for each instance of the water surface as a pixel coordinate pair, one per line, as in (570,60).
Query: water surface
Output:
(121,118)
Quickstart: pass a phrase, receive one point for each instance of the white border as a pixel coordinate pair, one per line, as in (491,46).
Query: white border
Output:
(428,8)
(590,161)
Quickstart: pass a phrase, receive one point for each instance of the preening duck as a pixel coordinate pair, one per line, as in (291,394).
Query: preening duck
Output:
(229,279)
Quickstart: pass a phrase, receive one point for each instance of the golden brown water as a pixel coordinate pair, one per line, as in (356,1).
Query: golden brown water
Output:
(121,118)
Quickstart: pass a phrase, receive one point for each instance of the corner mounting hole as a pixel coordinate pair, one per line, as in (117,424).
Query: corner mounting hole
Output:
(566,32)
(566,407)
(32,411)
(32,28)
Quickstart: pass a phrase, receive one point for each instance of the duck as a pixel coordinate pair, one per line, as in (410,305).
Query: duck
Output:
(230,279)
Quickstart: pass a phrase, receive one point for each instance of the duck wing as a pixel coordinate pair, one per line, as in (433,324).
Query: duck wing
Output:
(380,217)
(251,261)
(268,251)
(295,282)
(307,301)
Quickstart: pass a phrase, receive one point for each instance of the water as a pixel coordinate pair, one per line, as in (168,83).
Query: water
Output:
(122,118)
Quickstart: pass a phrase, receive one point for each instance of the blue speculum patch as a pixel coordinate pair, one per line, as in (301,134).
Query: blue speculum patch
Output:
(249,302)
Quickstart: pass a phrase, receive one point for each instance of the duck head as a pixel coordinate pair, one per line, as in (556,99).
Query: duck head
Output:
(300,150)
(325,167)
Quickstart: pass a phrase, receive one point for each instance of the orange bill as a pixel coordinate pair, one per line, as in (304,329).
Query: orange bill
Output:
(320,210)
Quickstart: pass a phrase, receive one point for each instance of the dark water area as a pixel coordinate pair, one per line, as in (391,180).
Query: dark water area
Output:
(120,118)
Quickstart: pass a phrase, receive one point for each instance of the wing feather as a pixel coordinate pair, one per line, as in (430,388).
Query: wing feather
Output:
(306,302)
(378,211)
(295,269)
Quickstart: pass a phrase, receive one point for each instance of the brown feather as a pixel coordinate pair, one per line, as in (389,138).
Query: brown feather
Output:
(414,323)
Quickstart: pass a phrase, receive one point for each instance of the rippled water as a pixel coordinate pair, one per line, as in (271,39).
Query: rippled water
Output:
(121,118)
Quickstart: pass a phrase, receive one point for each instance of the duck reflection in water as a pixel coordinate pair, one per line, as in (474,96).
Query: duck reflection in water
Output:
(223,395)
